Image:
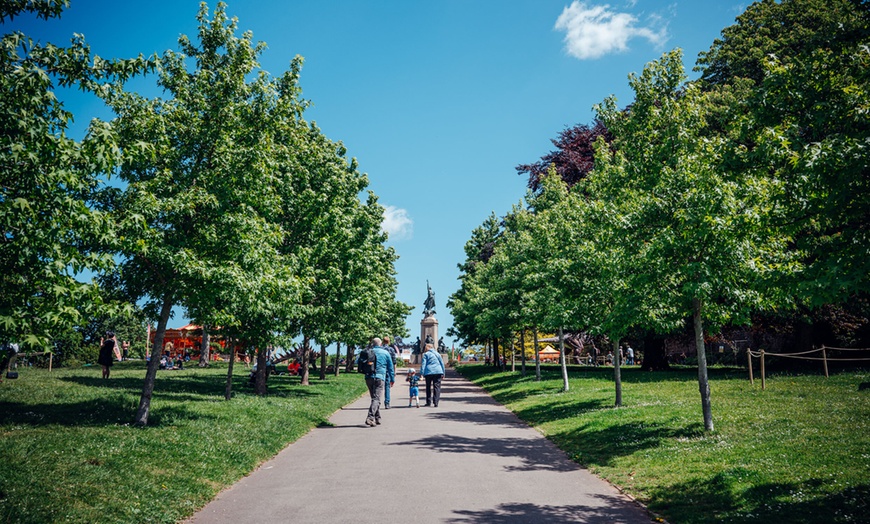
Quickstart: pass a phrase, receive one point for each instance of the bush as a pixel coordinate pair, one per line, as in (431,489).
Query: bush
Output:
(137,350)
(85,354)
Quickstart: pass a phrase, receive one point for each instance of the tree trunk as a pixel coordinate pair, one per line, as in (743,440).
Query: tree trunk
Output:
(617,369)
(513,355)
(228,390)
(537,358)
(262,372)
(337,356)
(703,382)
(204,348)
(348,365)
(523,349)
(503,358)
(563,361)
(322,362)
(154,363)
(306,357)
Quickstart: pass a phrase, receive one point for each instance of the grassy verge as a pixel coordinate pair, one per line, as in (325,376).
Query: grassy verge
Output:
(797,452)
(68,451)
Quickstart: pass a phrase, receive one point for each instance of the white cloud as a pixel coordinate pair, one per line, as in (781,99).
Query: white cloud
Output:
(397,224)
(594,31)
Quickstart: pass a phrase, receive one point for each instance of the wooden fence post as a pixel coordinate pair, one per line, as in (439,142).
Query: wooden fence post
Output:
(762,369)
(749,361)
(825,360)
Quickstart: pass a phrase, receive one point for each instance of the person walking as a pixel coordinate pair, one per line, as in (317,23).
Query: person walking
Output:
(381,374)
(108,347)
(432,369)
(629,355)
(392,351)
(413,380)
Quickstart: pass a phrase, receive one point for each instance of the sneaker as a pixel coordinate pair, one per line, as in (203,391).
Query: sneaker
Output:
(418,405)
(386,406)
(378,421)
(409,404)
(370,422)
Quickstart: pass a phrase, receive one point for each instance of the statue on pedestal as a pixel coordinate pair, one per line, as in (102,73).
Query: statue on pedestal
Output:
(429,303)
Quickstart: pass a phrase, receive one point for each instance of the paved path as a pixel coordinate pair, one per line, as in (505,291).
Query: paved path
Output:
(469,460)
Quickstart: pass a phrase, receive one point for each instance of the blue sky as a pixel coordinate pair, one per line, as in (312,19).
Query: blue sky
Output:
(439,101)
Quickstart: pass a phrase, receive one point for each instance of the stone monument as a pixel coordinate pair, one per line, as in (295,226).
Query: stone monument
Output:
(429,324)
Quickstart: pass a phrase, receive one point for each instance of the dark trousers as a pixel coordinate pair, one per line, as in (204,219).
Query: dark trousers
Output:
(376,391)
(433,389)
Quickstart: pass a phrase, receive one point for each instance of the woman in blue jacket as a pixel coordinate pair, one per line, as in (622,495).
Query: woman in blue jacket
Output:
(432,369)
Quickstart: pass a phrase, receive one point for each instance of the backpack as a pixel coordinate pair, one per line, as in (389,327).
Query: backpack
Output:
(367,361)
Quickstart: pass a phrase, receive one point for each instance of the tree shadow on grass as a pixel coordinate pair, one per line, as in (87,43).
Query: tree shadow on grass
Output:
(96,412)
(494,381)
(551,411)
(613,509)
(116,399)
(721,498)
(598,447)
(532,454)
(192,387)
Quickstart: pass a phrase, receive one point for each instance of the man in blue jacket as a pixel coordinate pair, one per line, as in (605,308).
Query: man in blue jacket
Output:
(392,351)
(384,373)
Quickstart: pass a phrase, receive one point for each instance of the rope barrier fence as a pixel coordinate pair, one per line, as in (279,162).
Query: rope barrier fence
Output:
(825,358)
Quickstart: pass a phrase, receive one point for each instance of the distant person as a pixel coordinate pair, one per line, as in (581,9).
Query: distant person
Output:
(413,380)
(8,355)
(629,355)
(432,369)
(381,374)
(125,354)
(392,351)
(108,347)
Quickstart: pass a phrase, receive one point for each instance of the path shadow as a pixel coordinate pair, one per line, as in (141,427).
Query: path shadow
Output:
(613,510)
(487,418)
(471,399)
(533,454)
(464,389)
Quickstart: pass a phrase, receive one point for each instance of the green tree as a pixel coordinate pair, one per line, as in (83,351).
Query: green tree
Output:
(803,123)
(194,215)
(478,251)
(53,228)
(692,226)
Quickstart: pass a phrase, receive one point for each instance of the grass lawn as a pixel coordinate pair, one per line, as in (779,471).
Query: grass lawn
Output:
(797,452)
(68,451)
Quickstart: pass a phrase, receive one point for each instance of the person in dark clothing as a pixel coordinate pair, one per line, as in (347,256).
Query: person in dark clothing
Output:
(107,351)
